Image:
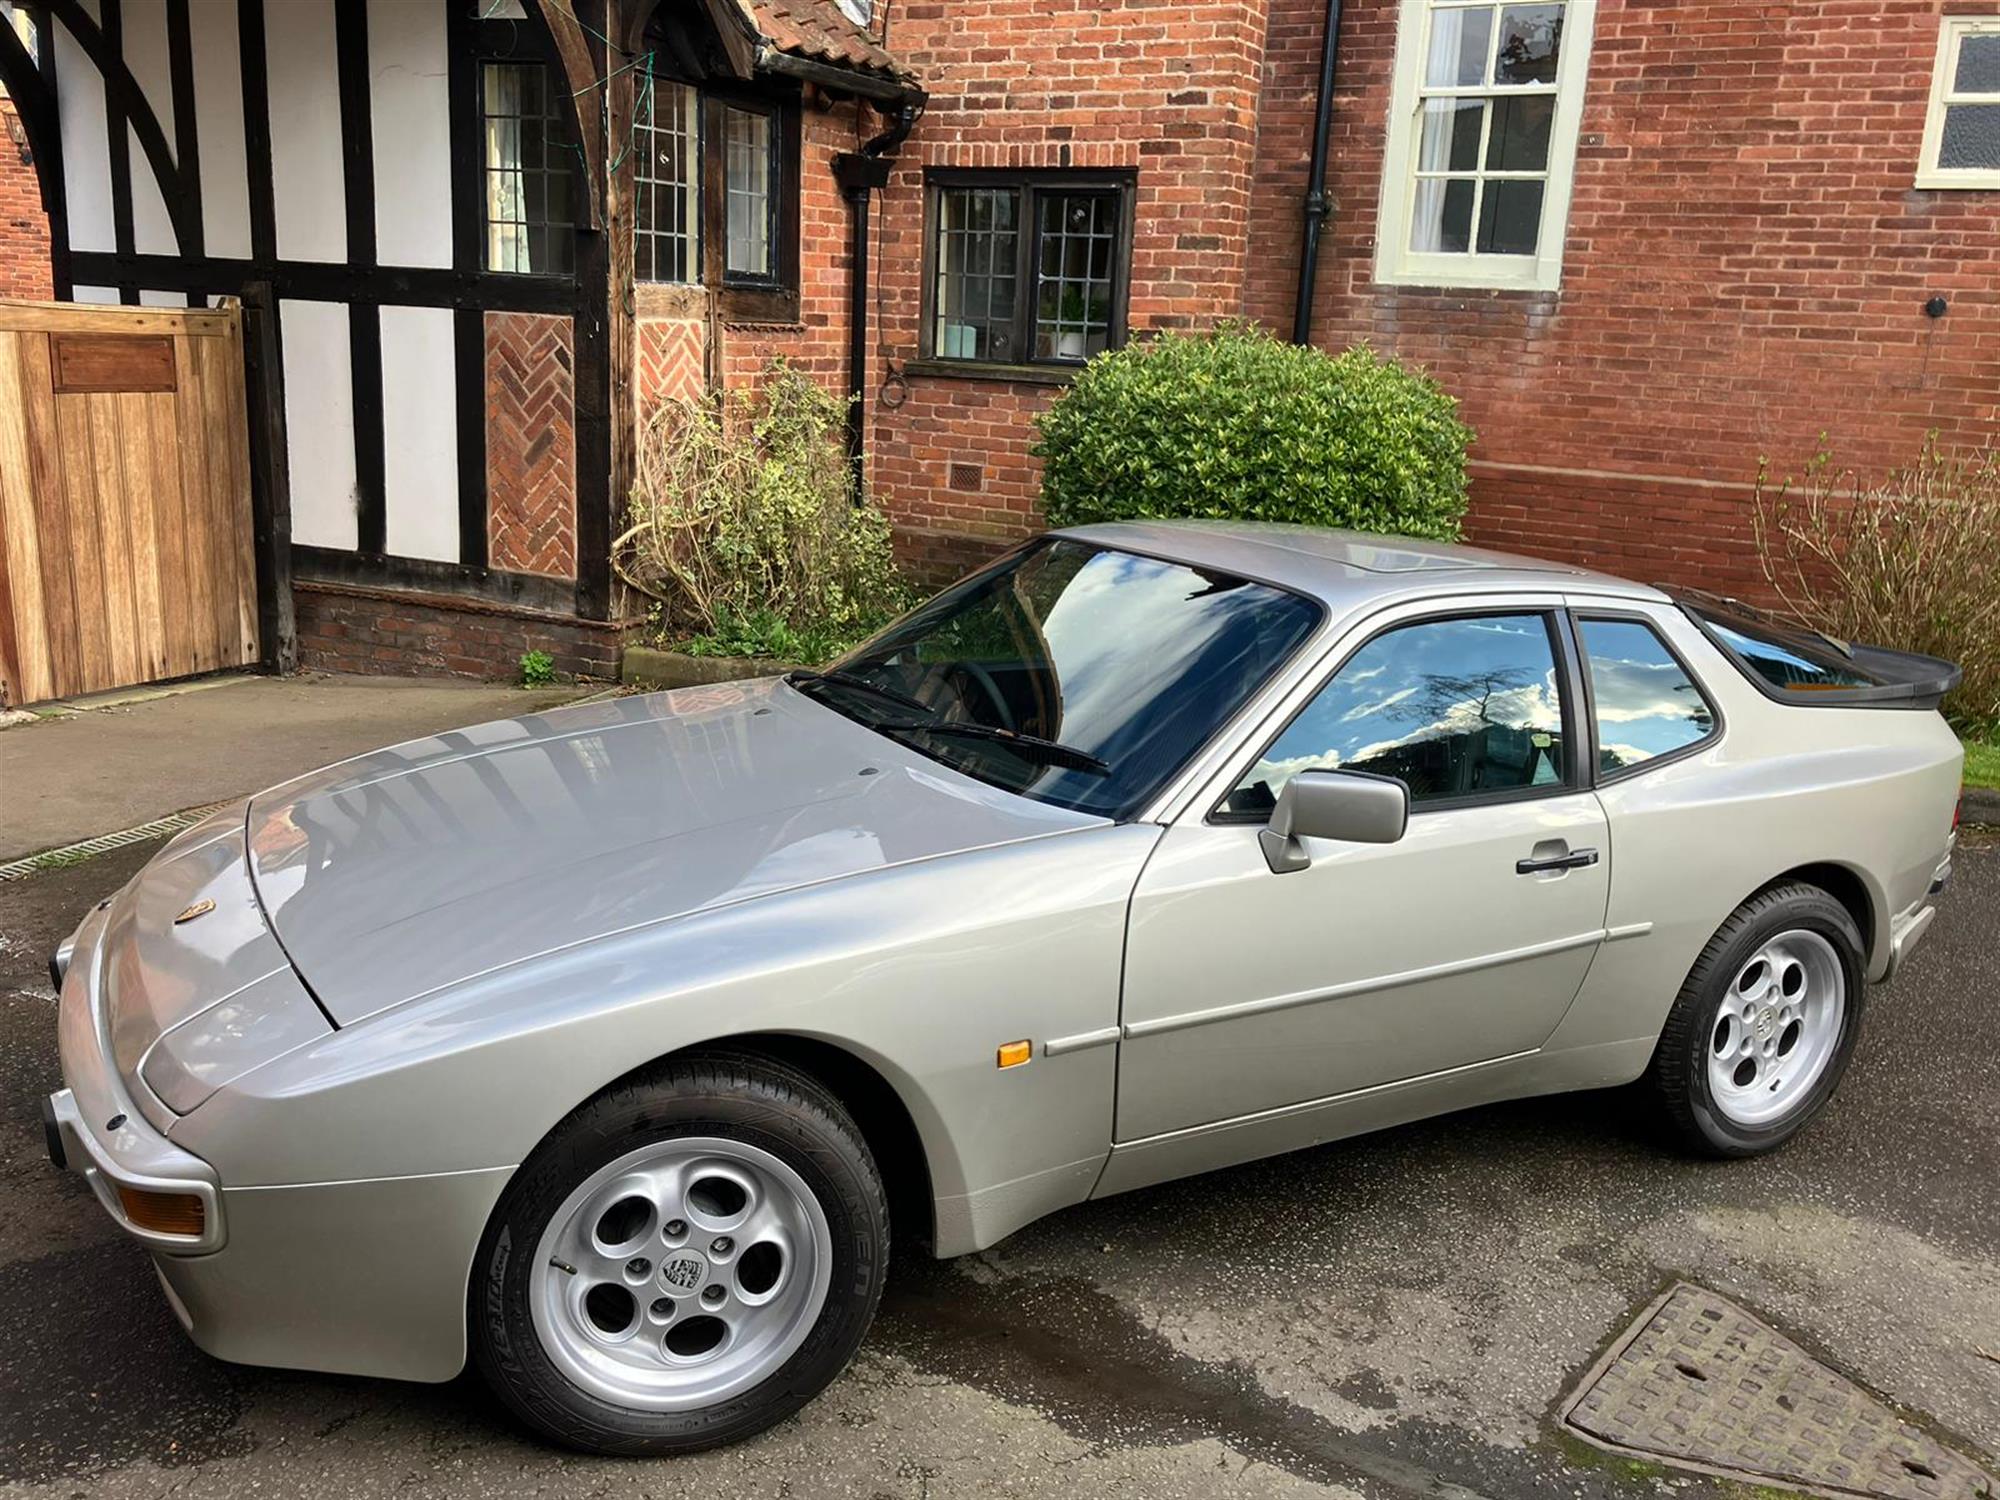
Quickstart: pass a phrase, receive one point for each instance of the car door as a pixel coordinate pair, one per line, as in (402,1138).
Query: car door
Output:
(1464,942)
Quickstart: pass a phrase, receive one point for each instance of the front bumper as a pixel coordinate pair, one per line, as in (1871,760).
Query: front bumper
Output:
(361,1277)
(97,1129)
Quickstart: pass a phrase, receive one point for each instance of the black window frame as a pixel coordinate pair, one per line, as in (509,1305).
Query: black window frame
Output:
(485,58)
(1578,617)
(1119,182)
(742,297)
(1565,653)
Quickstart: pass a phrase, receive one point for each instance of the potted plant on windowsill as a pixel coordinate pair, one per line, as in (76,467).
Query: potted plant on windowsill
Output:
(1078,316)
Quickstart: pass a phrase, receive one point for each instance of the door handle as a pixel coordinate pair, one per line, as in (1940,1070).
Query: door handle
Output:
(1573,861)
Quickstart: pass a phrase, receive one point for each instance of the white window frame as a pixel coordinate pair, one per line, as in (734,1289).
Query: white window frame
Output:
(1397,264)
(1952,32)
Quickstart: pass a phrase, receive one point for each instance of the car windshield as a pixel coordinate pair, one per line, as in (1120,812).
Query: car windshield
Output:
(1075,674)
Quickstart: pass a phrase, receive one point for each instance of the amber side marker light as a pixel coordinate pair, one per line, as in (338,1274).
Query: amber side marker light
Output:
(164,1213)
(1013,1054)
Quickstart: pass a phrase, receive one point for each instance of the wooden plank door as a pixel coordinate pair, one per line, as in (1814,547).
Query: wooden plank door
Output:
(126,546)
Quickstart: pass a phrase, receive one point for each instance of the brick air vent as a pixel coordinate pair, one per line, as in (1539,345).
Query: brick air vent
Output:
(966,476)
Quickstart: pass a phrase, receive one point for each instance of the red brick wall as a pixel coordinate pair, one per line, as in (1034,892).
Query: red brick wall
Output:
(1167,86)
(24,229)
(531,443)
(1746,267)
(396,632)
(1746,262)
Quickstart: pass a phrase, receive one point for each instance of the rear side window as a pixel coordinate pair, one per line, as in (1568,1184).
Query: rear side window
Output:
(1788,658)
(1452,708)
(1646,704)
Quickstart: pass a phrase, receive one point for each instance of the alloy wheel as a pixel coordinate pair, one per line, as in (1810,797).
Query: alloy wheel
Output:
(681,1274)
(1777,1028)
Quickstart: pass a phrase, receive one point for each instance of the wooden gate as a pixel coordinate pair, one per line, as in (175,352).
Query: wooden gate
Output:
(126,549)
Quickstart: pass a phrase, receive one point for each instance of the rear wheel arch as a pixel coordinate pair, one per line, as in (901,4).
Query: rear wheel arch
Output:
(1851,889)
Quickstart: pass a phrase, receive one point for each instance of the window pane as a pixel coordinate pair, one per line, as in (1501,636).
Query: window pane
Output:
(1530,44)
(1133,660)
(748,140)
(529,163)
(1971,136)
(1454,708)
(1646,705)
(1459,44)
(1783,655)
(1451,135)
(1443,220)
(665,183)
(1978,65)
(977,243)
(1072,301)
(1510,217)
(1520,138)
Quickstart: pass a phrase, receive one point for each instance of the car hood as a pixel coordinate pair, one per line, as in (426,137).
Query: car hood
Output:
(410,869)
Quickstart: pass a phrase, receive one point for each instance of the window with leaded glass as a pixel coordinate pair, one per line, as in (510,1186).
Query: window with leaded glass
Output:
(1483,140)
(749,190)
(1962,131)
(530,164)
(1026,268)
(666,182)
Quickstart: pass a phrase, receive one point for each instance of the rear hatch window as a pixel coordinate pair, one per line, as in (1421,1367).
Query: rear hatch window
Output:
(1796,665)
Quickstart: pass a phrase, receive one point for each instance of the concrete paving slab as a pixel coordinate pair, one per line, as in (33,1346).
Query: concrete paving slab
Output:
(99,765)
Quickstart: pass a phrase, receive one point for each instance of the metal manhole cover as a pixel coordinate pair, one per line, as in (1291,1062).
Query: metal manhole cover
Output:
(1699,1382)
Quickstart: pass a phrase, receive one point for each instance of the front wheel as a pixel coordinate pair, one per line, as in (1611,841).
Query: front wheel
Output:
(1764,1026)
(689,1258)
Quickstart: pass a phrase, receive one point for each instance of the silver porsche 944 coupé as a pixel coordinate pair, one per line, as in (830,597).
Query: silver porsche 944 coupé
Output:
(601,1047)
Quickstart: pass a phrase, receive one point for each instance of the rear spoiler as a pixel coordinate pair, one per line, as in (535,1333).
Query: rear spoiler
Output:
(1900,679)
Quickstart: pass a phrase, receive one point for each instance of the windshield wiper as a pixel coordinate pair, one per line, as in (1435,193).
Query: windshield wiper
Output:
(805,677)
(1034,747)
(1049,752)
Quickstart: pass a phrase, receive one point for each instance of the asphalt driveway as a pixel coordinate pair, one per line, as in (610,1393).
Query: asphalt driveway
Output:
(1394,1315)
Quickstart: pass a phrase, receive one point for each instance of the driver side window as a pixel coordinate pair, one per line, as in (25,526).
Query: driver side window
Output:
(1460,708)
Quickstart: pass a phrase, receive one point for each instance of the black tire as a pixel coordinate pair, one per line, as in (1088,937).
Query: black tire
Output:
(750,1098)
(1678,1077)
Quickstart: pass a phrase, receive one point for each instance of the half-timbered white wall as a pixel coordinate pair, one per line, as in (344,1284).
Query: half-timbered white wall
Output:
(412,117)
(420,449)
(411,179)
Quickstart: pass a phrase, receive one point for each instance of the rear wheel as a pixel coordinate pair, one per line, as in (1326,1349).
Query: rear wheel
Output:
(1764,1026)
(688,1259)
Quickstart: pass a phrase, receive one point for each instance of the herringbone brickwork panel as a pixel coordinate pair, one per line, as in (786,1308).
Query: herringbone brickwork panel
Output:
(672,361)
(531,443)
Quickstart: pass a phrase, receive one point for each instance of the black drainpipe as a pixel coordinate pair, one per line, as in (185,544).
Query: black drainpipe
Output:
(1316,205)
(859,174)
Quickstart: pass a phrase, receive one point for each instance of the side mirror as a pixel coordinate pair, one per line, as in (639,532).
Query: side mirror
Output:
(1352,806)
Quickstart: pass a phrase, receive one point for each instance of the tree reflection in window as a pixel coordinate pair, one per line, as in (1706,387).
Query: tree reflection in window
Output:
(1452,708)
(1646,705)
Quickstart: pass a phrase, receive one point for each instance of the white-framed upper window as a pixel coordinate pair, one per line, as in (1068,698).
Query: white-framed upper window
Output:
(1962,130)
(1483,122)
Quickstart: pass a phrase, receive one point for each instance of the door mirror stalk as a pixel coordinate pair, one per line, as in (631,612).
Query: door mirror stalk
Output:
(1354,807)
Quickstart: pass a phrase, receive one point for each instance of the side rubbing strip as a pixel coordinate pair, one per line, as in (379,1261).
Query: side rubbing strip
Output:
(1360,986)
(1057,1046)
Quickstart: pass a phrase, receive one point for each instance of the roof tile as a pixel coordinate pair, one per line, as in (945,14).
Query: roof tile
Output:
(818,29)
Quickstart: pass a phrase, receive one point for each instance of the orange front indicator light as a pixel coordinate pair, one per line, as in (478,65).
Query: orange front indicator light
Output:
(164,1213)
(1013,1054)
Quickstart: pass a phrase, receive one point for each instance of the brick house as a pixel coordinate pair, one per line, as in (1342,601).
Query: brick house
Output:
(24,229)
(1644,245)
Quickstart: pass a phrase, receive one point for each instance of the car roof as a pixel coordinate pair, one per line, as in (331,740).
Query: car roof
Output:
(1345,568)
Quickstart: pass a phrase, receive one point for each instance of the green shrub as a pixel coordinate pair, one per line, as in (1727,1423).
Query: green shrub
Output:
(538,669)
(744,522)
(1236,424)
(764,634)
(1908,562)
